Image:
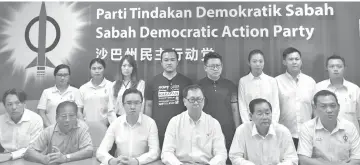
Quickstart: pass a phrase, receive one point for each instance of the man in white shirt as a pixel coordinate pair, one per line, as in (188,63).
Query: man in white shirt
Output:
(261,141)
(327,139)
(135,135)
(347,93)
(19,127)
(194,137)
(296,91)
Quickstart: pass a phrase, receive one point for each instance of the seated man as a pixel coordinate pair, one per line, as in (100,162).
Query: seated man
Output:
(327,139)
(19,126)
(135,135)
(194,137)
(260,141)
(67,140)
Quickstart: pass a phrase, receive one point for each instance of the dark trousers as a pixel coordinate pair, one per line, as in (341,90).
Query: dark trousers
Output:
(296,142)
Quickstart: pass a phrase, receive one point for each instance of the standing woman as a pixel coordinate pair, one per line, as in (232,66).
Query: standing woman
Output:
(128,79)
(62,91)
(257,85)
(95,93)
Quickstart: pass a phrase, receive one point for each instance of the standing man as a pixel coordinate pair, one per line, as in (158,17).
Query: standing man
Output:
(19,127)
(194,137)
(296,91)
(221,96)
(347,92)
(163,95)
(327,139)
(262,141)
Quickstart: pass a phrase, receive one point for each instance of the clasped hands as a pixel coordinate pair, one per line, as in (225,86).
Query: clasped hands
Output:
(123,160)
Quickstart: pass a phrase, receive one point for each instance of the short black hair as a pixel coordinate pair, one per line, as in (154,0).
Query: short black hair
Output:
(335,57)
(132,90)
(98,60)
(64,104)
(257,101)
(324,93)
(19,93)
(290,50)
(253,52)
(61,66)
(212,55)
(192,87)
(169,50)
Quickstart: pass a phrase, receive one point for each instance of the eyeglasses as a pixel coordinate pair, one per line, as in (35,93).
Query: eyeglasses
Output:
(62,75)
(214,66)
(136,103)
(199,100)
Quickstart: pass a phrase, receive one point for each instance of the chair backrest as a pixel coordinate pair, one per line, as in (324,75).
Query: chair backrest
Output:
(97,132)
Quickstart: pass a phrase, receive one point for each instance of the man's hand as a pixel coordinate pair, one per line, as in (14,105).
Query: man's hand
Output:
(5,157)
(133,161)
(56,156)
(114,161)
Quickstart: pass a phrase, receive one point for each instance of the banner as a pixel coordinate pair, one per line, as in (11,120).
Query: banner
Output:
(36,36)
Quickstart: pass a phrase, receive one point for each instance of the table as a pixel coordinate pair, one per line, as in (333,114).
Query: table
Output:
(90,161)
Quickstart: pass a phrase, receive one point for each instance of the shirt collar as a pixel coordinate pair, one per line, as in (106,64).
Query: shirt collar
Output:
(56,90)
(291,77)
(261,76)
(124,121)
(202,116)
(25,117)
(346,83)
(102,84)
(339,126)
(212,81)
(270,132)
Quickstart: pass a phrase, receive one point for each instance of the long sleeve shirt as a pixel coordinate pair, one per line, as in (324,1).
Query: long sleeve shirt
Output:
(187,141)
(140,141)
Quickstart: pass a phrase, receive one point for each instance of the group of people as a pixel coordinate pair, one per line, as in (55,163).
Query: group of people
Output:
(285,120)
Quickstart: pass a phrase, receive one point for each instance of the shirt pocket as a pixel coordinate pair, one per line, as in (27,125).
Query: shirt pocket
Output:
(204,141)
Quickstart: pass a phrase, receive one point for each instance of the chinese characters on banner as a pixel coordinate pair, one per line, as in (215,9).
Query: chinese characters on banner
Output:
(115,54)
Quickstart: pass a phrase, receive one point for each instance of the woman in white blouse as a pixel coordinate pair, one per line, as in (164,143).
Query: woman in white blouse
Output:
(53,96)
(128,79)
(257,85)
(95,93)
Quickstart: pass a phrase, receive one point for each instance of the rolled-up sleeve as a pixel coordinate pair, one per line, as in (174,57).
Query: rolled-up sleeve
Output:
(219,149)
(103,151)
(238,149)
(154,149)
(168,151)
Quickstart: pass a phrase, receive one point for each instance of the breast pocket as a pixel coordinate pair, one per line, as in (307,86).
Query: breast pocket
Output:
(343,150)
(204,141)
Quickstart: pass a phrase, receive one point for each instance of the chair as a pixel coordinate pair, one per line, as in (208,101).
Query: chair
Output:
(97,132)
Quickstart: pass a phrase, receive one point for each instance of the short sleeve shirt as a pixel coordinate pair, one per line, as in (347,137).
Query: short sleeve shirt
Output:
(51,98)
(167,98)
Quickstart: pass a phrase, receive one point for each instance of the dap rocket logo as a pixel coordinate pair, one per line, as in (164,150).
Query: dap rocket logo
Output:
(41,36)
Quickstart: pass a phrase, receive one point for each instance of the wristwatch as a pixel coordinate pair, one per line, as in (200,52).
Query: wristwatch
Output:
(68,156)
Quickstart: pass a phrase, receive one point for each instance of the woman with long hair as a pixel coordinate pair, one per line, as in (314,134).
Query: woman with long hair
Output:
(128,79)
(257,85)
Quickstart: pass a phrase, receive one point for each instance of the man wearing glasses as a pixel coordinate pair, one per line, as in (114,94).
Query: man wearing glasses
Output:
(67,140)
(194,137)
(221,96)
(19,126)
(135,135)
(328,139)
